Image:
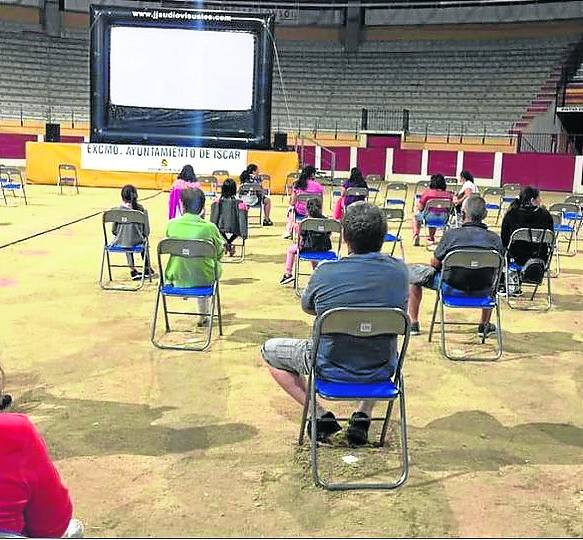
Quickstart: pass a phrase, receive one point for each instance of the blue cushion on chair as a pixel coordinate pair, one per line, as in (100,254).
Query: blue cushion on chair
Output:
(573,216)
(435,222)
(392,238)
(138,248)
(347,390)
(563,228)
(318,256)
(492,206)
(171,290)
(10,185)
(396,201)
(509,199)
(456,298)
(514,267)
(373,190)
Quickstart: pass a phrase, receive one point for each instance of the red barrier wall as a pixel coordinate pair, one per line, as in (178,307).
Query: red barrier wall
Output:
(384,141)
(342,158)
(371,161)
(552,172)
(12,145)
(442,161)
(480,164)
(406,161)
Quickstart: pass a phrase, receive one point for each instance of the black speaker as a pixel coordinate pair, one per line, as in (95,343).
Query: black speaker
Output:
(280,142)
(52,132)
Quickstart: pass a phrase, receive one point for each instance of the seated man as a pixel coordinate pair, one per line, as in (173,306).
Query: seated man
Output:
(199,272)
(366,278)
(473,234)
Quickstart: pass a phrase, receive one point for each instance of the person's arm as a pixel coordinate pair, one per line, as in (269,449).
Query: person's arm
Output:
(293,197)
(146,224)
(49,508)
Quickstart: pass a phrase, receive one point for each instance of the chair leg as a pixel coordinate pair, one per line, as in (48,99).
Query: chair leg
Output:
(155,319)
(165,308)
(386,422)
(499,332)
(305,411)
(101,284)
(219,312)
(431,326)
(443,344)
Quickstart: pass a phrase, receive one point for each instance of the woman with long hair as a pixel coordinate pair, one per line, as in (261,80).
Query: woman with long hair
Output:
(305,184)
(251,176)
(356,179)
(186,179)
(437,190)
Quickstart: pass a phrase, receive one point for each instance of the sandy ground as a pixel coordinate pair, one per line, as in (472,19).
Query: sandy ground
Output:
(158,443)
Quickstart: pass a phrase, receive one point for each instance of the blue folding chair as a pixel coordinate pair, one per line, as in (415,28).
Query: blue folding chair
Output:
(395,218)
(374,181)
(359,323)
(478,267)
(436,214)
(493,197)
(396,195)
(187,250)
(336,191)
(120,217)
(576,217)
(320,225)
(511,193)
(67,176)
(420,187)
(565,216)
(360,192)
(541,244)
(11,181)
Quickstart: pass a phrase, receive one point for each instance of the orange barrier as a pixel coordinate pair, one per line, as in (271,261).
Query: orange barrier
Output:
(42,162)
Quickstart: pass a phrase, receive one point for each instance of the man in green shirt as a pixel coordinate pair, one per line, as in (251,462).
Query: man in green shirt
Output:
(182,272)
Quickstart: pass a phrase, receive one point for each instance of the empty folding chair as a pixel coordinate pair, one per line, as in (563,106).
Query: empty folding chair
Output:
(436,214)
(209,185)
(208,294)
(289,183)
(67,176)
(493,197)
(221,175)
(536,246)
(565,227)
(318,225)
(396,195)
(252,195)
(576,217)
(395,218)
(336,190)
(119,217)
(461,268)
(511,192)
(374,181)
(360,324)
(420,187)
(11,181)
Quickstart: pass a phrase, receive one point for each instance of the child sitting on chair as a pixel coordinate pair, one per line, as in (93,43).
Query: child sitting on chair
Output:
(229,214)
(310,241)
(356,180)
(128,235)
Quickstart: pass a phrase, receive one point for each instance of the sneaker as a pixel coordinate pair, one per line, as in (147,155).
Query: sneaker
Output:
(231,250)
(326,426)
(485,330)
(416,240)
(267,223)
(136,276)
(357,432)
(203,321)
(287,278)
(149,273)
(287,236)
(415,331)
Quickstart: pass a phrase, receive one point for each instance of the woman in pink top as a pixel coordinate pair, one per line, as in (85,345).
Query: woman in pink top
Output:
(437,190)
(186,180)
(305,184)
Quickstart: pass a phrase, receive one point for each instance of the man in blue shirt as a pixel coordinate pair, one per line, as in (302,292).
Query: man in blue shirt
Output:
(366,278)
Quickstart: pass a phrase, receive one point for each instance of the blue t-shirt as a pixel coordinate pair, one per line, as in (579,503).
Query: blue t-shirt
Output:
(369,280)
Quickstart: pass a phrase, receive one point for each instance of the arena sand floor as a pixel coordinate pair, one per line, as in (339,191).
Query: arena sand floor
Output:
(161,443)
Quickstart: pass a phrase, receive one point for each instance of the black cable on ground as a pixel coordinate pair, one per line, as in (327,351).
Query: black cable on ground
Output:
(52,229)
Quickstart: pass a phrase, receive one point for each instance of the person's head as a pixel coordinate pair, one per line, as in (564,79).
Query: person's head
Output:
(228,189)
(192,200)
(437,181)
(249,172)
(364,227)
(187,174)
(307,173)
(314,208)
(356,179)
(474,209)
(252,169)
(529,196)
(467,176)
(129,195)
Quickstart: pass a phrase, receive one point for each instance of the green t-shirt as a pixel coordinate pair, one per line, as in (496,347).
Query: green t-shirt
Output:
(182,272)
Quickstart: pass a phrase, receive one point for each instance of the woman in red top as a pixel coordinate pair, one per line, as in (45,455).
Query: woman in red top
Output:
(437,190)
(33,500)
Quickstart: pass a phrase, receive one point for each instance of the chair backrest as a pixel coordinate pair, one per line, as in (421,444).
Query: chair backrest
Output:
(492,192)
(336,182)
(472,269)
(397,186)
(322,225)
(451,180)
(305,197)
(565,208)
(356,192)
(11,172)
(511,189)
(421,186)
(363,322)
(575,199)
(67,168)
(394,216)
(373,178)
(188,249)
(542,242)
(220,172)
(124,216)
(438,206)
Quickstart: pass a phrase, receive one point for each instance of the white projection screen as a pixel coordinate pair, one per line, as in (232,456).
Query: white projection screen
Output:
(187,69)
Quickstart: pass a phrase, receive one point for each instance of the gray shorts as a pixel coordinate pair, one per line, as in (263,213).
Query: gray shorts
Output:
(293,355)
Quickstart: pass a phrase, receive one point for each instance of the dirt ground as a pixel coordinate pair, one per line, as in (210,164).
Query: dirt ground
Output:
(159,443)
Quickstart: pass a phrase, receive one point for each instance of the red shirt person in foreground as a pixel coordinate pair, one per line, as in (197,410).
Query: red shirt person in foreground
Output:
(33,500)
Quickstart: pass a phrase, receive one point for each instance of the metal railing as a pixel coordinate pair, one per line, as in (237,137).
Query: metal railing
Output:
(385,120)
(327,156)
(550,143)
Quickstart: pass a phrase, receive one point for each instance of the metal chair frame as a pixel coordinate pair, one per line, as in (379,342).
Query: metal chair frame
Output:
(511,192)
(493,197)
(469,259)
(189,249)
(374,182)
(238,243)
(62,180)
(395,187)
(359,323)
(289,182)
(566,217)
(534,236)
(323,225)
(357,192)
(336,190)
(206,182)
(265,184)
(395,216)
(249,189)
(8,184)
(420,186)
(305,197)
(446,205)
(578,200)
(122,216)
